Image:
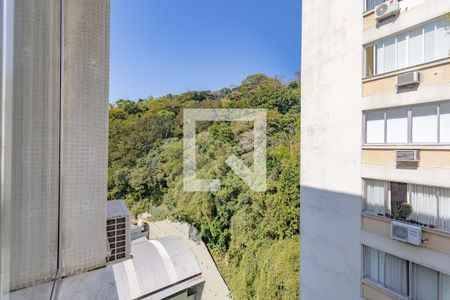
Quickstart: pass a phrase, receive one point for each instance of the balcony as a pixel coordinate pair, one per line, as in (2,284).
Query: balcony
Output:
(437,240)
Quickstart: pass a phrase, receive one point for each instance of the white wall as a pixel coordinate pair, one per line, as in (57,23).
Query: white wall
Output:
(330,255)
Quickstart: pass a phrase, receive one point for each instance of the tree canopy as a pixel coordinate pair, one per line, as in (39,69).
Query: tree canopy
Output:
(253,236)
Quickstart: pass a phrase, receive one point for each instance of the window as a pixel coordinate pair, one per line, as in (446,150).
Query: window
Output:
(375,195)
(370,61)
(445,287)
(370,4)
(394,274)
(424,124)
(424,283)
(424,201)
(430,204)
(402,51)
(397,125)
(423,44)
(429,41)
(385,269)
(420,124)
(442,39)
(375,127)
(444,119)
(416,47)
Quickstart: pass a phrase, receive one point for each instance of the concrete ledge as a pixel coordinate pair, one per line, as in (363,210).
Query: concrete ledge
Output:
(424,94)
(420,14)
(425,257)
(425,176)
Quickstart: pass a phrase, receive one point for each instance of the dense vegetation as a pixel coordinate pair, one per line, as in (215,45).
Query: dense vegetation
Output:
(253,236)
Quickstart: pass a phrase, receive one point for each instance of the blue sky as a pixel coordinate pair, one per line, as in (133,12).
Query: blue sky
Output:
(172,46)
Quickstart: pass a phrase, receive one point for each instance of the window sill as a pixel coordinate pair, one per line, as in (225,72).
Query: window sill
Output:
(433,63)
(368,12)
(426,229)
(443,146)
(383,289)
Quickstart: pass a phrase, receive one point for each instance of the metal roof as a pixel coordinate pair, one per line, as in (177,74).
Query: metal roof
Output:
(158,268)
(117,208)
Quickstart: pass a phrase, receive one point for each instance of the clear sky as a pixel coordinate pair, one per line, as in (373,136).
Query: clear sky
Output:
(172,46)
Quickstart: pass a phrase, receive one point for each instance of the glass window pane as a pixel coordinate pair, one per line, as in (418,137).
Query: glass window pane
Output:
(424,203)
(399,195)
(380,59)
(424,283)
(442,39)
(389,55)
(444,127)
(396,274)
(370,4)
(375,127)
(375,195)
(371,264)
(424,124)
(397,125)
(370,61)
(444,208)
(416,47)
(429,42)
(402,55)
(445,287)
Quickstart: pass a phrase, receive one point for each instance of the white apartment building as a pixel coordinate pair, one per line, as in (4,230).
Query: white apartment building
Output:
(375,177)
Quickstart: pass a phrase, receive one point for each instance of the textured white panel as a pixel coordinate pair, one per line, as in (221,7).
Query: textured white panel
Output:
(444,122)
(375,127)
(397,125)
(34,122)
(424,124)
(85,134)
(416,47)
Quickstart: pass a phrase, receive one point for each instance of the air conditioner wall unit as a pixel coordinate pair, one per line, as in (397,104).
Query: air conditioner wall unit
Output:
(118,231)
(407,155)
(387,9)
(409,78)
(407,233)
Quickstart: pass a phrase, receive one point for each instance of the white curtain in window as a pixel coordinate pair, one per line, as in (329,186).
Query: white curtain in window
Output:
(396,274)
(375,127)
(424,283)
(444,119)
(444,208)
(389,55)
(442,39)
(429,40)
(371,263)
(375,195)
(402,51)
(445,287)
(397,125)
(424,202)
(424,124)
(416,47)
(380,58)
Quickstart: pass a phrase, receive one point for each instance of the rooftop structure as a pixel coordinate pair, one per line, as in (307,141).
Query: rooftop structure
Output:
(159,269)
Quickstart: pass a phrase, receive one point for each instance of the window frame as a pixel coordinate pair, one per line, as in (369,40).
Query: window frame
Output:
(388,198)
(434,23)
(409,125)
(410,279)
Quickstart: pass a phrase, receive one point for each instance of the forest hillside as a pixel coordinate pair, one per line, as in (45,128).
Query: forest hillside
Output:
(253,236)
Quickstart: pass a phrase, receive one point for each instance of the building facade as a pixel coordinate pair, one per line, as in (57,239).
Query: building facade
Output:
(54,139)
(375,178)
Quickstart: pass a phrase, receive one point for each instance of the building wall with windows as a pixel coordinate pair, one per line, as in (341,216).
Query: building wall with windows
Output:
(391,118)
